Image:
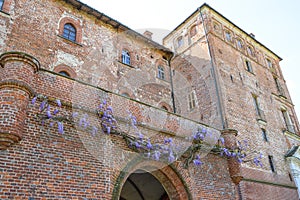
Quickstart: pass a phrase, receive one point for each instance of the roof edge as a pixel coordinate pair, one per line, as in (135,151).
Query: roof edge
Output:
(208,6)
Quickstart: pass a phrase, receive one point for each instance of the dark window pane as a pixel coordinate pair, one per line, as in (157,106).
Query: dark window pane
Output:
(69,32)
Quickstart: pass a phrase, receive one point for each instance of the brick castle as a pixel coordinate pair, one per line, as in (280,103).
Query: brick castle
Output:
(207,72)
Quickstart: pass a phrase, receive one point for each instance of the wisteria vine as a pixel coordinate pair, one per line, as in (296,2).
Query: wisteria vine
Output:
(165,150)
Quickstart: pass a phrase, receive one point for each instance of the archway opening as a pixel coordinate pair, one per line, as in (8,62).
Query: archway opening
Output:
(142,185)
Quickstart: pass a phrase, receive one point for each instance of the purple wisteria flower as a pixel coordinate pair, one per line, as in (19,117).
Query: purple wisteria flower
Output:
(168,140)
(156,155)
(171,157)
(58,102)
(60,127)
(221,139)
(55,111)
(42,105)
(48,112)
(149,145)
(197,161)
(33,100)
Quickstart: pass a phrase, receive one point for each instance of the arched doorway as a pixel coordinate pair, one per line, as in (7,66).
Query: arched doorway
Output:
(142,185)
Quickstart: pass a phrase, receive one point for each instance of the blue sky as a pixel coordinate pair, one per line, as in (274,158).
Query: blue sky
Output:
(274,23)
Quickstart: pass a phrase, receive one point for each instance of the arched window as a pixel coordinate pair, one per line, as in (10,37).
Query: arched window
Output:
(250,51)
(64,73)
(193,31)
(125,57)
(228,36)
(124,94)
(161,72)
(65,70)
(1,4)
(69,32)
(240,43)
(179,41)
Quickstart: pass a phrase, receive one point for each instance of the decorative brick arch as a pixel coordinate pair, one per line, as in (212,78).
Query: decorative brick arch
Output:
(67,69)
(128,93)
(75,23)
(164,104)
(172,182)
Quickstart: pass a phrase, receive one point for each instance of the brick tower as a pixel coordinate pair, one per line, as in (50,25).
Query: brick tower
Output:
(209,75)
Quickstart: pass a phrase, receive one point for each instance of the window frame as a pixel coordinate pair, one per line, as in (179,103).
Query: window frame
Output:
(193,31)
(239,43)
(264,134)
(161,72)
(70,29)
(192,100)
(249,67)
(76,24)
(228,36)
(179,41)
(125,57)
(250,51)
(271,162)
(269,63)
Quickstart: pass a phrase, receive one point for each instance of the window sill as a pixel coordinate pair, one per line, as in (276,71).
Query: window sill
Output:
(163,80)
(67,40)
(3,13)
(250,72)
(126,64)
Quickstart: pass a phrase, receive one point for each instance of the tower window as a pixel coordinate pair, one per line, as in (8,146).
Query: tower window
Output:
(179,41)
(228,36)
(269,63)
(193,31)
(240,44)
(192,100)
(161,72)
(69,32)
(249,66)
(250,51)
(271,162)
(264,134)
(125,57)
(288,123)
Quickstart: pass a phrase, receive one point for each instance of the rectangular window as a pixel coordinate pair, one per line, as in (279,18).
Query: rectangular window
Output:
(249,66)
(288,124)
(259,112)
(256,105)
(1,4)
(269,63)
(278,87)
(271,163)
(192,100)
(264,134)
